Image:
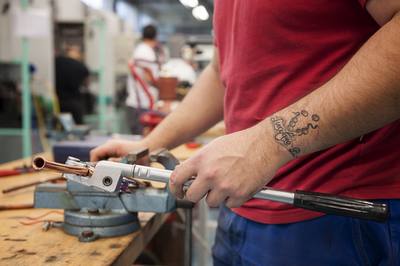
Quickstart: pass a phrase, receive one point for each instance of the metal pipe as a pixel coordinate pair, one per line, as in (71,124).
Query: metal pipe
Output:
(151,173)
(275,195)
(14,188)
(320,202)
(6,207)
(40,163)
(188,237)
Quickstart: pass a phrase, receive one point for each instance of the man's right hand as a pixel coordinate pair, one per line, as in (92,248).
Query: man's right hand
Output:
(115,148)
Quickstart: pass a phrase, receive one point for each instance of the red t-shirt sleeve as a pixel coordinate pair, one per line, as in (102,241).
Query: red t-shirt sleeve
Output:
(362,2)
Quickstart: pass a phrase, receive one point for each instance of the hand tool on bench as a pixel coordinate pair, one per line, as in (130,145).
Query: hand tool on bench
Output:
(113,176)
(16,171)
(8,207)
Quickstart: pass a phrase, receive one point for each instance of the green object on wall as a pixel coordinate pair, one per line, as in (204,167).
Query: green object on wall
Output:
(102,101)
(26,94)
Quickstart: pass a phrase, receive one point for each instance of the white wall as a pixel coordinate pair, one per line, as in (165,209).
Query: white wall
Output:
(9,43)
(42,54)
(123,48)
(69,11)
(40,48)
(93,44)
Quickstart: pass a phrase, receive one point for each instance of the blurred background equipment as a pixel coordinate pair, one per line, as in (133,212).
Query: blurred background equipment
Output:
(101,34)
(76,73)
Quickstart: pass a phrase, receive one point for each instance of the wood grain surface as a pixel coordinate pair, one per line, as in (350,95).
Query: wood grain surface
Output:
(30,245)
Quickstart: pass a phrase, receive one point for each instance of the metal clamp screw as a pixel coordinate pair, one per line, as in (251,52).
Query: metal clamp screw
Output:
(87,236)
(107,181)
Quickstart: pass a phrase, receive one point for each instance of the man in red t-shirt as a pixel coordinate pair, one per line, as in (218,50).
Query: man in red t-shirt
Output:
(309,91)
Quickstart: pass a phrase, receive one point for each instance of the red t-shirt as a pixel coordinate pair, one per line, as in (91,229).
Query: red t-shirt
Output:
(274,52)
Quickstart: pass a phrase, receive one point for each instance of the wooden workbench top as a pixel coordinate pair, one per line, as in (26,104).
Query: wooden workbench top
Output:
(30,245)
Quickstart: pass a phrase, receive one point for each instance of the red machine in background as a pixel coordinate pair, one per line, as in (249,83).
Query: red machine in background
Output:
(151,118)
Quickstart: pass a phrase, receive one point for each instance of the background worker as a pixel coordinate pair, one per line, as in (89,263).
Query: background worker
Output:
(71,76)
(146,58)
(310,102)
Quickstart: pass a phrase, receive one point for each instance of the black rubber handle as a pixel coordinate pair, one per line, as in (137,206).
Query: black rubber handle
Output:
(339,205)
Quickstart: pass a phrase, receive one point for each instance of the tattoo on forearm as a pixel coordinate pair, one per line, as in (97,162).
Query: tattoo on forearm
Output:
(286,132)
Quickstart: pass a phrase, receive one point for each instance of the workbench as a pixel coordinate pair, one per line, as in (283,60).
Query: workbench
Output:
(30,245)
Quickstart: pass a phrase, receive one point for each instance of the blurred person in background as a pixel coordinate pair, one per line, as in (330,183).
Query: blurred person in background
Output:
(71,76)
(145,67)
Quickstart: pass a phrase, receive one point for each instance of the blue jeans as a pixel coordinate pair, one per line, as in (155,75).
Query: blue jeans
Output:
(328,240)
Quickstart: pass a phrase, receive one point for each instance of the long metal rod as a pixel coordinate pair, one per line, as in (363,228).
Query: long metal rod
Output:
(30,184)
(6,207)
(275,195)
(151,173)
(202,226)
(314,201)
(188,238)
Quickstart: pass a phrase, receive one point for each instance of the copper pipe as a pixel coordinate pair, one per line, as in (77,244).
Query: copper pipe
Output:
(11,189)
(40,163)
(5,207)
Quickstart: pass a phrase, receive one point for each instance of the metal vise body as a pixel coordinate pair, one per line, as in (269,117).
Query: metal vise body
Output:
(91,213)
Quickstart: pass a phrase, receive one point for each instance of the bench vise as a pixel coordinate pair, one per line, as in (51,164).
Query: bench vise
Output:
(90,212)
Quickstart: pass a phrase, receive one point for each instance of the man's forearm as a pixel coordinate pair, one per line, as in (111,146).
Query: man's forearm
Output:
(201,109)
(362,97)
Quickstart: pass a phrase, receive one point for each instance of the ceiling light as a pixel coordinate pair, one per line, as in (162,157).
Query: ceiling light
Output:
(200,13)
(189,3)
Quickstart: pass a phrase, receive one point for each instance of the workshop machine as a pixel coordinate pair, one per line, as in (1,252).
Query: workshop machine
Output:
(102,199)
